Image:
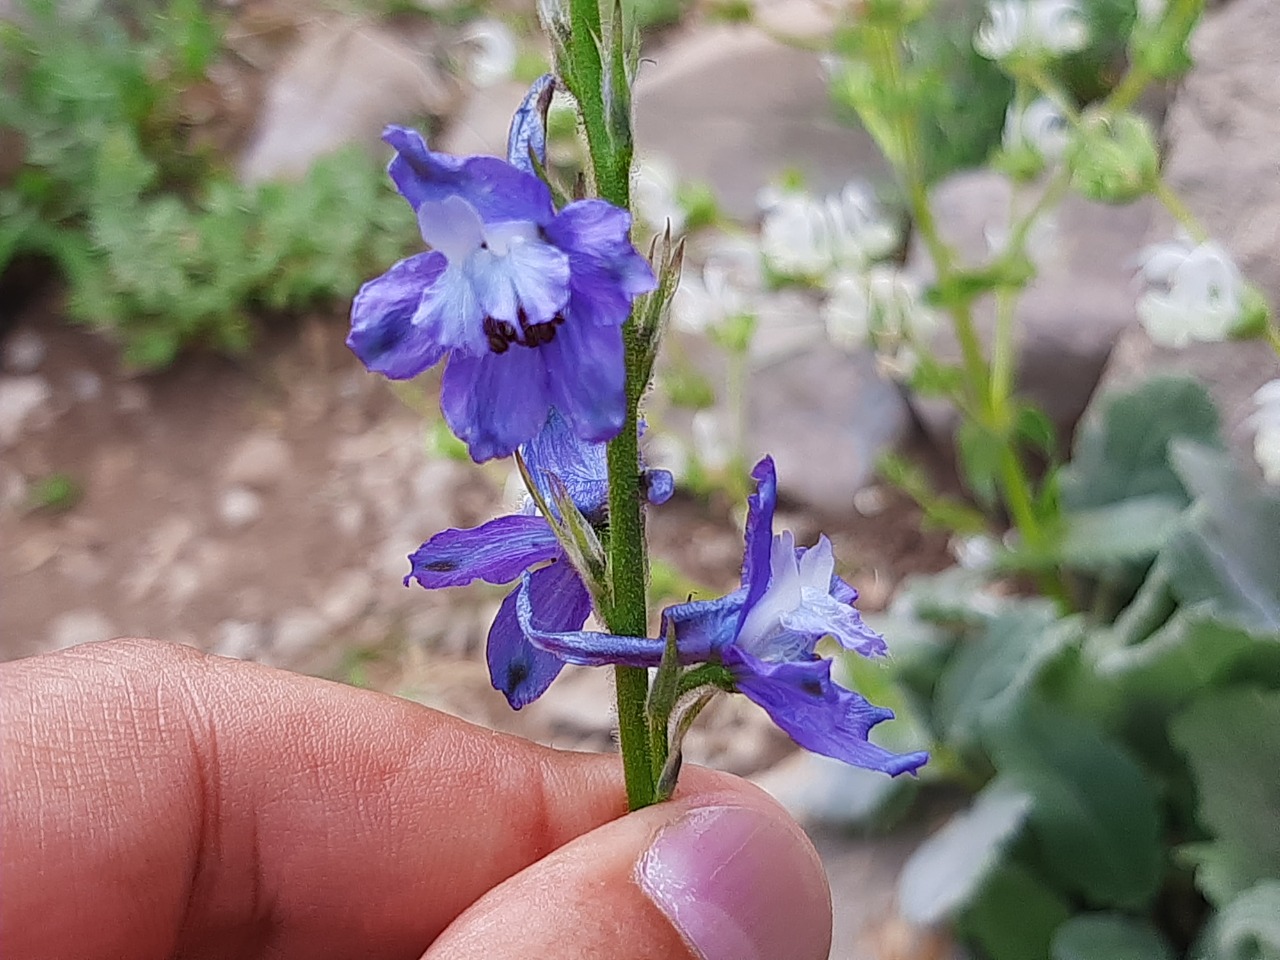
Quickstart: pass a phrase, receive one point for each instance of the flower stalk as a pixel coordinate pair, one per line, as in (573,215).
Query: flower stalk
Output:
(547,319)
(988,388)
(627,612)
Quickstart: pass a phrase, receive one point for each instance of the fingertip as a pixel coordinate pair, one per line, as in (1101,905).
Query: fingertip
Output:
(739,882)
(719,873)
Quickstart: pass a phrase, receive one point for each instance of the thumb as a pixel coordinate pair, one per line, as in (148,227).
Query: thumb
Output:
(717,876)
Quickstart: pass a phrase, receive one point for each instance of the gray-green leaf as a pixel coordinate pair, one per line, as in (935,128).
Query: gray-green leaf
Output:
(1121,450)
(1108,936)
(949,869)
(1231,738)
(1095,821)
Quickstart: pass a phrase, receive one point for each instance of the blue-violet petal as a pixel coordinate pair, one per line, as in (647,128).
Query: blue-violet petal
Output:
(818,713)
(496,552)
(497,190)
(383,334)
(495,402)
(521,671)
(584,647)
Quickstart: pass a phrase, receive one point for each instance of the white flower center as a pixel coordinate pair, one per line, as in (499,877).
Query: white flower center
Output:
(795,587)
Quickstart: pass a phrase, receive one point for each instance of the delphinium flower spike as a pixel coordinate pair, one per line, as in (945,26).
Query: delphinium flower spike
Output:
(764,635)
(503,549)
(526,303)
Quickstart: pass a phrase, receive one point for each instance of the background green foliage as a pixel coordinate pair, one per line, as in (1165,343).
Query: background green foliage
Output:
(1126,755)
(157,241)
(962,97)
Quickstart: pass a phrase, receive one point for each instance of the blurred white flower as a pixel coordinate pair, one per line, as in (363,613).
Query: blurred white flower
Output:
(1194,292)
(1041,127)
(795,236)
(1031,28)
(804,236)
(739,255)
(1266,430)
(654,192)
(707,298)
(880,308)
(860,233)
(711,441)
(847,311)
(493,52)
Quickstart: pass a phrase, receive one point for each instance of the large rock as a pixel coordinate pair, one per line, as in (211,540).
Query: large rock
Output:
(735,108)
(825,416)
(342,84)
(727,105)
(1223,132)
(1070,316)
(1224,135)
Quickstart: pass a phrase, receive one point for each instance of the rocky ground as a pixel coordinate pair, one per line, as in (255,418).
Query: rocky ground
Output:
(264,507)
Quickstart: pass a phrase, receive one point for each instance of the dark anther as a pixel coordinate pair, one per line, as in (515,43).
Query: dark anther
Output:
(811,687)
(501,334)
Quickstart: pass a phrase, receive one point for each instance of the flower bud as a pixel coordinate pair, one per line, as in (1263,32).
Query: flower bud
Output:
(1114,159)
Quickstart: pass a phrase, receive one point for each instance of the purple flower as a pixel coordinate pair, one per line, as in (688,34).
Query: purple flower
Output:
(505,548)
(765,633)
(527,303)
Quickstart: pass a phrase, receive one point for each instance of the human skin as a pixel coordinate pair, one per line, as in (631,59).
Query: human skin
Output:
(157,802)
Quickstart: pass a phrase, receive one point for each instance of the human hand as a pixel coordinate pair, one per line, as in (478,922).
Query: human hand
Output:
(158,802)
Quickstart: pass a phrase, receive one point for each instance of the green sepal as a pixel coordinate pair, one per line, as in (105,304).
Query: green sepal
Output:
(616,88)
(650,312)
(574,533)
(664,690)
(1255,315)
(684,721)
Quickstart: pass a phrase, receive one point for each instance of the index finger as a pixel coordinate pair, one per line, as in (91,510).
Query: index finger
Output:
(160,802)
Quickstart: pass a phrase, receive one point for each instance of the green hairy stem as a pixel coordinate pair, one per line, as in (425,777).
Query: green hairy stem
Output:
(627,610)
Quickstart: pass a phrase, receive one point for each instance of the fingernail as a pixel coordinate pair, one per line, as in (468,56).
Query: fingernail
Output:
(739,885)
